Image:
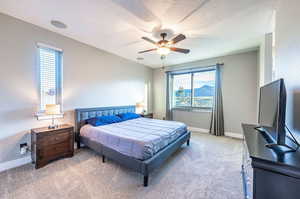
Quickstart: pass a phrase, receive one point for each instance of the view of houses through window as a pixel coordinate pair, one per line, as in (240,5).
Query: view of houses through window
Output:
(194,89)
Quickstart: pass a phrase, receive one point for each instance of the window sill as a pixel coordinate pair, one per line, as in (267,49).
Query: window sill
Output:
(193,109)
(43,116)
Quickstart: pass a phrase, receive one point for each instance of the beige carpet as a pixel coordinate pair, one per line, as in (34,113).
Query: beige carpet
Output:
(208,169)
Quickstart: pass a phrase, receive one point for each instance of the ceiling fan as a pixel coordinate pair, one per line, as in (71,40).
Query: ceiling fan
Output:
(164,46)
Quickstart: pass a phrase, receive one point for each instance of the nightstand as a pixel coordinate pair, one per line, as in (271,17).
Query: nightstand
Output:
(51,144)
(147,115)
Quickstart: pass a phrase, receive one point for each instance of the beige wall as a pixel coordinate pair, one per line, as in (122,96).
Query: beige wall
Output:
(196,119)
(159,88)
(266,59)
(287,58)
(91,78)
(239,86)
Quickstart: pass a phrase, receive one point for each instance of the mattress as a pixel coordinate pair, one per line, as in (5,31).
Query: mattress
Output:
(140,138)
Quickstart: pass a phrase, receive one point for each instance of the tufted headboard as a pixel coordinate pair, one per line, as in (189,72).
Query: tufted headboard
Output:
(82,114)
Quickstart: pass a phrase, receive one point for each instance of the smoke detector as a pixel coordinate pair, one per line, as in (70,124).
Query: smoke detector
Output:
(58,24)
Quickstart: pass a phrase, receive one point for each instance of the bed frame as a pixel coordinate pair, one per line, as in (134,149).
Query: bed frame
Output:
(141,166)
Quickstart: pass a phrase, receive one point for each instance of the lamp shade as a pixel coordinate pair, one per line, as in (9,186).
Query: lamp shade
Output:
(139,105)
(52,109)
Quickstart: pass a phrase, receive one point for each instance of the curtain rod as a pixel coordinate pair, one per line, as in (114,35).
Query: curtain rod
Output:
(220,64)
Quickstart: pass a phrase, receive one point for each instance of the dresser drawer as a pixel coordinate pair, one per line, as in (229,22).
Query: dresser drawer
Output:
(57,138)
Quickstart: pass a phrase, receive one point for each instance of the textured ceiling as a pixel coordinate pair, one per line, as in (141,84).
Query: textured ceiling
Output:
(213,27)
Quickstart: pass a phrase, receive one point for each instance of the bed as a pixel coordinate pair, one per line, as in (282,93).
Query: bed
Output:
(140,144)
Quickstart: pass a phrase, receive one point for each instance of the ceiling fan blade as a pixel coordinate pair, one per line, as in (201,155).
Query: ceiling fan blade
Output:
(148,50)
(149,40)
(180,50)
(177,39)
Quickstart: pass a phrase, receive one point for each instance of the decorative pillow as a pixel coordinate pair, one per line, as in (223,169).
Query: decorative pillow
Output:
(128,116)
(110,119)
(103,120)
(95,122)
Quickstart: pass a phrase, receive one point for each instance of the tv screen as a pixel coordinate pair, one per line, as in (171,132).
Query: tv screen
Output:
(272,110)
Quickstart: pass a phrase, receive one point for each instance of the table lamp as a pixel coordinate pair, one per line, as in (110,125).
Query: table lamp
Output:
(140,106)
(52,110)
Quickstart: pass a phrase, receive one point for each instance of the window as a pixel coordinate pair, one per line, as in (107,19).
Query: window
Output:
(195,89)
(182,86)
(204,89)
(50,67)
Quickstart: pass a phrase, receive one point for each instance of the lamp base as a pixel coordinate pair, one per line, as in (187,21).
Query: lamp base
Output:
(53,126)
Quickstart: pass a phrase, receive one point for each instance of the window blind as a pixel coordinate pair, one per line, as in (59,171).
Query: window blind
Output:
(50,69)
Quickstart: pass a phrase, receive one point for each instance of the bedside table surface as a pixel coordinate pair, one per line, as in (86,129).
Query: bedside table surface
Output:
(147,114)
(46,129)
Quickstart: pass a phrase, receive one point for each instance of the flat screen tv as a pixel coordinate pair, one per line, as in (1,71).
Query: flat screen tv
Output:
(272,106)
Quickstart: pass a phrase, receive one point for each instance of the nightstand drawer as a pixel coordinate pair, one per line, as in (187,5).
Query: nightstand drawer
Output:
(52,133)
(54,151)
(64,136)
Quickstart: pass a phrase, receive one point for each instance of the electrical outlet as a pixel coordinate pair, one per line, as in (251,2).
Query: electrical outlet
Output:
(23,148)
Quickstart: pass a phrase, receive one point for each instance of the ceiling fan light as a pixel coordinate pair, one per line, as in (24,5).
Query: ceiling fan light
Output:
(163,50)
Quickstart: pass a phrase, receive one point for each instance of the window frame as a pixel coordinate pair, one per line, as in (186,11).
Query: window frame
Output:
(58,78)
(190,107)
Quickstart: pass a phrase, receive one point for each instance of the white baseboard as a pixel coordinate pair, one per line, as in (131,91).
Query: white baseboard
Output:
(228,134)
(234,135)
(196,129)
(14,163)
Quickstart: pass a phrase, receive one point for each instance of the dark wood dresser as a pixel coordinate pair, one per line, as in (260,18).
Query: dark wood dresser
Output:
(268,174)
(51,144)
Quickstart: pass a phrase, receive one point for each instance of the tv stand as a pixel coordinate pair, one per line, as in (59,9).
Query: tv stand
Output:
(280,148)
(267,174)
